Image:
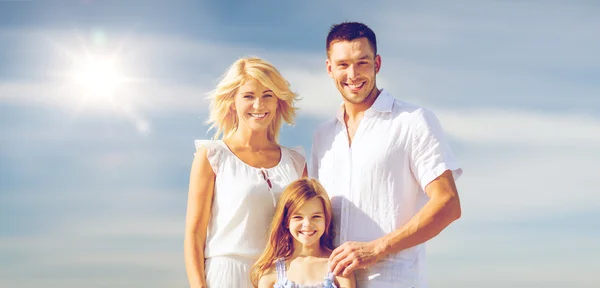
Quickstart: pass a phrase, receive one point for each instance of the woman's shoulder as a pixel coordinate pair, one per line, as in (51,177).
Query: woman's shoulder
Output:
(297,157)
(295,150)
(212,150)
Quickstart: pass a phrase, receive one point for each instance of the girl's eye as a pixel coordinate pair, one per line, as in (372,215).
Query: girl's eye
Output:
(317,216)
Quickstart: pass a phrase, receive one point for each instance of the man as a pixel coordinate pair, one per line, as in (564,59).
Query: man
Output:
(387,167)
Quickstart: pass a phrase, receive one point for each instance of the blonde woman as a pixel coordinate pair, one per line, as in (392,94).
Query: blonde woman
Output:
(237,177)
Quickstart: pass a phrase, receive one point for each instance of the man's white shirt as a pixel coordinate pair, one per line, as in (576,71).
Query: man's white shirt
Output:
(377,184)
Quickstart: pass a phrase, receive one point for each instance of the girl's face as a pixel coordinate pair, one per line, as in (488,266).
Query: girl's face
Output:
(307,224)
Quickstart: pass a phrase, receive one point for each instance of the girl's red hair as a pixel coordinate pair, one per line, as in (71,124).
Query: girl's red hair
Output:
(280,243)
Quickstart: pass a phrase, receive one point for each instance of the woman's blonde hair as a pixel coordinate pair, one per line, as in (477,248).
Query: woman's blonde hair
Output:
(280,242)
(223,118)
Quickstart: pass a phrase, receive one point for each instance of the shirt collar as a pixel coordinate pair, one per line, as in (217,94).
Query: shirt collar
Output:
(383,104)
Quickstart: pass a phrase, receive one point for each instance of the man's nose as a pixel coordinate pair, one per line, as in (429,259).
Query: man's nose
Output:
(352,73)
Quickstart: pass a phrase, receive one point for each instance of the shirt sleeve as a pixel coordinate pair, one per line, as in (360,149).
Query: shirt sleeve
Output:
(431,154)
(313,162)
(212,152)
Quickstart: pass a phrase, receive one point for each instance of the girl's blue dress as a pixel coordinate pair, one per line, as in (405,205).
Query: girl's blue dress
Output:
(283,282)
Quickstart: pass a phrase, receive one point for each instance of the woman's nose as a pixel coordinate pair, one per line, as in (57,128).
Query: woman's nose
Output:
(257,103)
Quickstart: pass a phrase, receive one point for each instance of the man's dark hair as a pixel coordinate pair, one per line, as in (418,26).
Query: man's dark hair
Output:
(348,31)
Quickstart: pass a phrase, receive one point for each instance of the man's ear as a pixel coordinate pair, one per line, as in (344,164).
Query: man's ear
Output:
(377,63)
(328,67)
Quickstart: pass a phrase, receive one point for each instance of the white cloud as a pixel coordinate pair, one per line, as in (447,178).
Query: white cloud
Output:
(519,164)
(513,253)
(528,183)
(527,128)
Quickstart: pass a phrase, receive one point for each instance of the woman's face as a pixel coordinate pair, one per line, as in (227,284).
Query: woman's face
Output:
(255,105)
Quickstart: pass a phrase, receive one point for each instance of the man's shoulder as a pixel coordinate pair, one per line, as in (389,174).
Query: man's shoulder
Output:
(405,107)
(326,126)
(412,112)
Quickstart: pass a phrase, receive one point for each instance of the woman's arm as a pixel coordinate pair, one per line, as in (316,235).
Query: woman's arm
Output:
(200,194)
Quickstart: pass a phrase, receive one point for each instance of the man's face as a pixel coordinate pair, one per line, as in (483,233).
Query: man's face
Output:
(353,66)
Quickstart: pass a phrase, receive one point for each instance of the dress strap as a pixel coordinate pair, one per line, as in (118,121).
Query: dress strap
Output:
(280,266)
(329,281)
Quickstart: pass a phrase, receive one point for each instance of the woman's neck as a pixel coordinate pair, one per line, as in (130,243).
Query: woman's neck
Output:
(254,140)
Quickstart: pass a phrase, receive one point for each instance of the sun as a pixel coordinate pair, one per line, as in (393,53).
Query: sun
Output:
(98,83)
(97,78)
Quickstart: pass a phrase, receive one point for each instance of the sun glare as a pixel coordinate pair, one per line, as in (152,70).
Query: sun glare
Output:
(96,83)
(97,77)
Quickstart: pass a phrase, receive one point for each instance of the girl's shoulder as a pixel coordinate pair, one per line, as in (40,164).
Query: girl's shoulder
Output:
(269,278)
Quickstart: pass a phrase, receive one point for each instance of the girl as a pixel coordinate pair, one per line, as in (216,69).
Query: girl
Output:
(235,181)
(300,242)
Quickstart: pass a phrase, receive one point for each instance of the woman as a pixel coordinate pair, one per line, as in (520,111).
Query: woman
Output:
(236,179)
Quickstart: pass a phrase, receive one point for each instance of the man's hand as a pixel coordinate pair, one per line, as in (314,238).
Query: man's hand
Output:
(354,255)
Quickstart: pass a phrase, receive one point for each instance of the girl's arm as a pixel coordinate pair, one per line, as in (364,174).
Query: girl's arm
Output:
(200,194)
(346,282)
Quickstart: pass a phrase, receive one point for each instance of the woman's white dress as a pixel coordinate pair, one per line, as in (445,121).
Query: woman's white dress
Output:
(243,206)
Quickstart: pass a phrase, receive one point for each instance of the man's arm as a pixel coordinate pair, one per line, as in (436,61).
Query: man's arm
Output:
(442,209)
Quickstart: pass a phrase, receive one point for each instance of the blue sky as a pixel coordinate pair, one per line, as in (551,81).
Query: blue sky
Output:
(93,192)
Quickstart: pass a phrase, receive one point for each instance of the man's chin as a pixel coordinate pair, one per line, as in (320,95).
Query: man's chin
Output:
(355,99)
